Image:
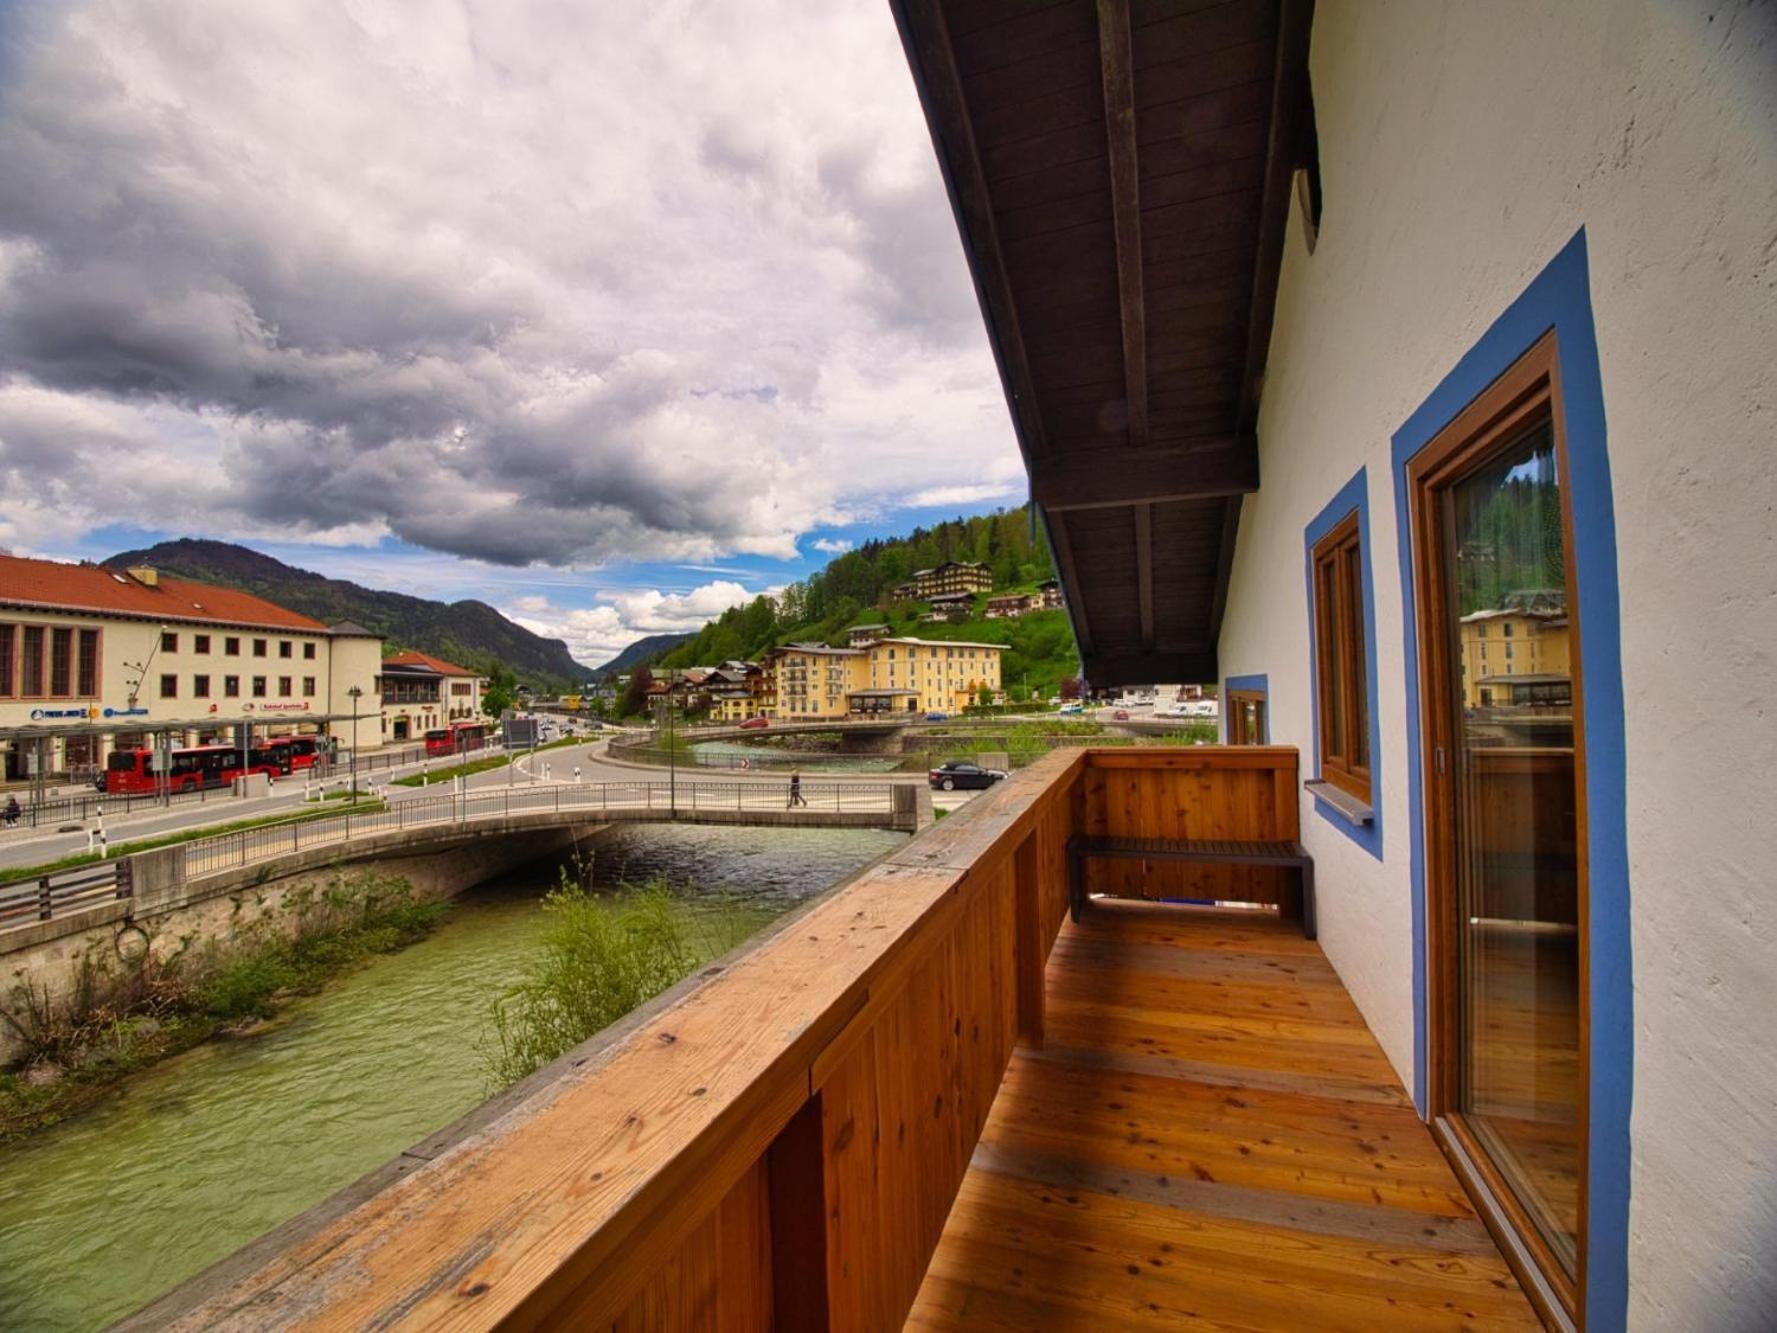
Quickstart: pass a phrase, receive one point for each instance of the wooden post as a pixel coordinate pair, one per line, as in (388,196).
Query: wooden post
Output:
(796,1167)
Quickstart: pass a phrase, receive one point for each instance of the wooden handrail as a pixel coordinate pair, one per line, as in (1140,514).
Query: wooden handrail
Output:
(785,1139)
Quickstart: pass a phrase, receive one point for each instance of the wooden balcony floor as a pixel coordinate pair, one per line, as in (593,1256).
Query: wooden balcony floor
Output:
(1209,1137)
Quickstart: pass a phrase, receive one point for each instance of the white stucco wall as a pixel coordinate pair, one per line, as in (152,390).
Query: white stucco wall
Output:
(1461,147)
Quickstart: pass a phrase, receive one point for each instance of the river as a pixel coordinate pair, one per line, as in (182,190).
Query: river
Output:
(201,1153)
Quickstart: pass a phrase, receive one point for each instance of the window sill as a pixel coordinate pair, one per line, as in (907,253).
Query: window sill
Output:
(1341,803)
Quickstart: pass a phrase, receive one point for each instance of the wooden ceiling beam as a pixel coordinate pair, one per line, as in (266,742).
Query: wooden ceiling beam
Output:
(925,37)
(1056,526)
(1144,572)
(1224,566)
(1283,153)
(1118,69)
(1098,478)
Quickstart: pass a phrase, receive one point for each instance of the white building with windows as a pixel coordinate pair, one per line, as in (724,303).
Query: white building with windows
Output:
(421,693)
(93,658)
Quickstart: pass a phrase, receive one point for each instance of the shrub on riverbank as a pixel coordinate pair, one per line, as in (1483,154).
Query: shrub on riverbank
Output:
(115,1018)
(600,957)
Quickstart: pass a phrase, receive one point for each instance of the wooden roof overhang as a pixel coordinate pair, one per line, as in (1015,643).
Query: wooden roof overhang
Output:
(1121,172)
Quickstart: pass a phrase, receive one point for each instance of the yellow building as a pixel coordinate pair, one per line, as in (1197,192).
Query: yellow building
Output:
(812,680)
(898,675)
(1500,646)
(927,675)
(733,703)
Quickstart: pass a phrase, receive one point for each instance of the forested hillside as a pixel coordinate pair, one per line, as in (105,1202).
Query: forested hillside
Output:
(854,589)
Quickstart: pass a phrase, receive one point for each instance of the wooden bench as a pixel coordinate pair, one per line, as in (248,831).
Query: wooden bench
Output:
(1203,851)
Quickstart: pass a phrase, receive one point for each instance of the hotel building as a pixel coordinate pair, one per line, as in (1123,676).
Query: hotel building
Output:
(893,675)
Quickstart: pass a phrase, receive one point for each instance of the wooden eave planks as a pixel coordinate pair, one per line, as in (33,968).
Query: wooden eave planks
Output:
(1126,156)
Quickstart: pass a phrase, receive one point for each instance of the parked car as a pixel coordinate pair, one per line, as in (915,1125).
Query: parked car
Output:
(1075,707)
(754,723)
(1121,715)
(937,717)
(962,775)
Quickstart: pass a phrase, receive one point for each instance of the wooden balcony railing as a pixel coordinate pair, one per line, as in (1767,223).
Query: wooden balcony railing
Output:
(781,1146)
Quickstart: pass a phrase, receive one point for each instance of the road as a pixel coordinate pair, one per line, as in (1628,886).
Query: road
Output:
(26,846)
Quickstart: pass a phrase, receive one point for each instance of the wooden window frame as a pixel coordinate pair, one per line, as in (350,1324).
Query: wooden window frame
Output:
(33,671)
(9,676)
(166,678)
(1237,702)
(87,665)
(61,662)
(1341,657)
(1525,394)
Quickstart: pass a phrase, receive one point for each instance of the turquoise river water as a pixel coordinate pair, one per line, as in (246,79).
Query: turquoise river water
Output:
(203,1152)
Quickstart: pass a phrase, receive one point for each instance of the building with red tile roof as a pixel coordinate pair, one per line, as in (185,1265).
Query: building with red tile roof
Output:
(84,646)
(142,593)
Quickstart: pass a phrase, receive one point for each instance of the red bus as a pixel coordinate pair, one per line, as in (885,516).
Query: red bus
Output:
(298,752)
(129,771)
(457,738)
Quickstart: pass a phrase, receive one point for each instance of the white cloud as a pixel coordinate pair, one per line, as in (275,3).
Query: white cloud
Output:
(965,495)
(831,545)
(596,634)
(520,283)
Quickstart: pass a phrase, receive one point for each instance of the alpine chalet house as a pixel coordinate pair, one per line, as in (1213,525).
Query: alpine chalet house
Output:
(1330,334)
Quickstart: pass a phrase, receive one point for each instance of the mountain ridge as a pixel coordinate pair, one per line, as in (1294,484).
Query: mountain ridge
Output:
(468,632)
(642,650)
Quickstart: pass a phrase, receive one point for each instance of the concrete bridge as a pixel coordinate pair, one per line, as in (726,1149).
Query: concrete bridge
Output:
(441,844)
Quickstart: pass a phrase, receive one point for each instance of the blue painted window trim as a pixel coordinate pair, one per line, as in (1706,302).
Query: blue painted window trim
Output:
(1252,685)
(1354,494)
(1558,298)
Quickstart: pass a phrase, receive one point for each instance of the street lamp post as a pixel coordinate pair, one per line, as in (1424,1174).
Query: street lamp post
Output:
(672,752)
(354,694)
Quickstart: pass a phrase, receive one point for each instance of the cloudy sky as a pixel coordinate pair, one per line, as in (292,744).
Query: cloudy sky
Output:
(611,314)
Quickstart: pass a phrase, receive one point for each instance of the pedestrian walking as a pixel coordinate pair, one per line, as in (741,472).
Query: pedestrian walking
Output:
(796,788)
(11,815)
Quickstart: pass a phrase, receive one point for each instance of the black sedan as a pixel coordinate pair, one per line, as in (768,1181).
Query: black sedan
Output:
(952,776)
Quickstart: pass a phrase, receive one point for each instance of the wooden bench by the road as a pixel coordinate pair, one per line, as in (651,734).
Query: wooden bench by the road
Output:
(1203,851)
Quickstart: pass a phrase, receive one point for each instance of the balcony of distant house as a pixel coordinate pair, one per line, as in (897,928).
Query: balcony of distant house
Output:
(951,607)
(404,685)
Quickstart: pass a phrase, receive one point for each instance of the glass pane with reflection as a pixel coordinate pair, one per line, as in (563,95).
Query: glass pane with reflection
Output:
(1517,833)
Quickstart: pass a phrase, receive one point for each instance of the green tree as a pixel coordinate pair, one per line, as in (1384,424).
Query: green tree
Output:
(635,694)
(502,682)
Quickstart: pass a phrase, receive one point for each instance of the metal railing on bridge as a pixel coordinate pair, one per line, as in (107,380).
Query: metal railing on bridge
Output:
(47,896)
(209,855)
